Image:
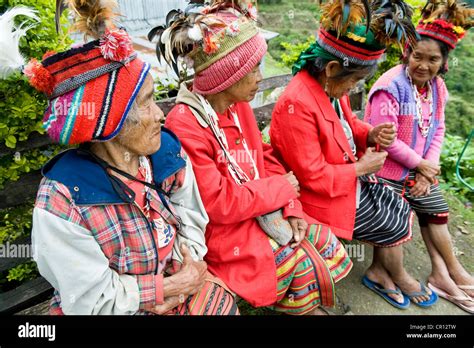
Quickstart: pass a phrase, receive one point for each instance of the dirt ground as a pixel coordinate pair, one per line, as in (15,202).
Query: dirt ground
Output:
(357,299)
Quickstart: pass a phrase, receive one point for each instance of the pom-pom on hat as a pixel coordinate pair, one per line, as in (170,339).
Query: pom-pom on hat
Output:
(91,87)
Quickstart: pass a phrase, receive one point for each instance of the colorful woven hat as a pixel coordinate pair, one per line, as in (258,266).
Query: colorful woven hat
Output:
(90,88)
(446,21)
(221,42)
(358,32)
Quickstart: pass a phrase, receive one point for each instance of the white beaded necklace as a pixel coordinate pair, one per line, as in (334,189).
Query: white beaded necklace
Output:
(419,108)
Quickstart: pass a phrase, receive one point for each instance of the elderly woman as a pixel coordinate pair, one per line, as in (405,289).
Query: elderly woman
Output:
(238,178)
(118,222)
(413,97)
(332,153)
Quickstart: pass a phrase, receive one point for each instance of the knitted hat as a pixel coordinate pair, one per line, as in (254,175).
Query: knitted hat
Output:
(359,32)
(446,21)
(90,88)
(221,42)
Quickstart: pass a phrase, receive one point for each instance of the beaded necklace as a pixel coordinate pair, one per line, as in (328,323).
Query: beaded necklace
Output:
(419,108)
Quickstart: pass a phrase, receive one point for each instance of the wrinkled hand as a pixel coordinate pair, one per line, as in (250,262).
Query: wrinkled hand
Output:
(384,135)
(293,182)
(169,304)
(429,170)
(422,186)
(189,279)
(299,227)
(371,162)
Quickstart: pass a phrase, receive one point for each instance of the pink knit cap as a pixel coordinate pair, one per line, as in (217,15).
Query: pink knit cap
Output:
(232,67)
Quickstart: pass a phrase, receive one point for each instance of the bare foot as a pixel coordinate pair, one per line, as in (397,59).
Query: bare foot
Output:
(379,275)
(448,285)
(462,277)
(409,285)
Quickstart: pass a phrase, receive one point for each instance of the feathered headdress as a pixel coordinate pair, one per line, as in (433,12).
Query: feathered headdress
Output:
(391,22)
(446,20)
(388,21)
(189,34)
(11,59)
(339,15)
(360,31)
(91,17)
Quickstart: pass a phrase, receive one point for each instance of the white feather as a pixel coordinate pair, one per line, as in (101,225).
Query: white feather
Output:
(11,58)
(166,40)
(195,33)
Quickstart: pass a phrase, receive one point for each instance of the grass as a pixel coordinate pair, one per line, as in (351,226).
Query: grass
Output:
(273,68)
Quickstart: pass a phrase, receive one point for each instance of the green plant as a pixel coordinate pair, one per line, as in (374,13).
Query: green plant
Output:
(25,271)
(452,147)
(292,51)
(15,222)
(21,112)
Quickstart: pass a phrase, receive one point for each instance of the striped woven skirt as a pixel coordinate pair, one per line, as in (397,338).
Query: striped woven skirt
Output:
(212,299)
(384,218)
(432,208)
(307,273)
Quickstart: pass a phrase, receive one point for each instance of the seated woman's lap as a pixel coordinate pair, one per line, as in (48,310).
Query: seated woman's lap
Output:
(383,218)
(306,274)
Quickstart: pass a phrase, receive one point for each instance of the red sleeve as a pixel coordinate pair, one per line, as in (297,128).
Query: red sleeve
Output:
(298,143)
(227,202)
(274,167)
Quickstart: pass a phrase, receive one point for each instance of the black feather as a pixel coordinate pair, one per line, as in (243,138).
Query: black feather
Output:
(368,13)
(60,7)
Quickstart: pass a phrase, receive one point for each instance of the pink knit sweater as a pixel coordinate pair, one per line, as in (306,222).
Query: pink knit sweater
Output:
(391,100)
(399,150)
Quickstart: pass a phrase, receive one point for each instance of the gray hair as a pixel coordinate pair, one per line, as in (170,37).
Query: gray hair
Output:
(132,120)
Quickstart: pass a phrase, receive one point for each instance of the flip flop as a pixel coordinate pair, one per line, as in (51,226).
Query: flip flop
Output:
(466,287)
(425,304)
(379,289)
(455,299)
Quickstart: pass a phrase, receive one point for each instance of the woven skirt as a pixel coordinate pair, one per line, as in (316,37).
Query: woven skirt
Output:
(432,208)
(384,218)
(306,274)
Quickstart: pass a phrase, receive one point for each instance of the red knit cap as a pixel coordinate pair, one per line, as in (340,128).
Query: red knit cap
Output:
(90,88)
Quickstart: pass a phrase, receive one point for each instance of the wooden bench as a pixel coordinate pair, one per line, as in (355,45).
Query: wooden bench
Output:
(15,193)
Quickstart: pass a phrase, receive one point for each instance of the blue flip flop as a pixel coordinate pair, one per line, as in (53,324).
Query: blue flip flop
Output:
(379,289)
(425,304)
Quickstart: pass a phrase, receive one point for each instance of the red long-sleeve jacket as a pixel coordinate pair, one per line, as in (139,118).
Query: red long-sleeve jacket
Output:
(239,251)
(308,139)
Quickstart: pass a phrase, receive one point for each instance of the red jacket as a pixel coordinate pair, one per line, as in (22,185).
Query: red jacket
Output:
(239,251)
(308,138)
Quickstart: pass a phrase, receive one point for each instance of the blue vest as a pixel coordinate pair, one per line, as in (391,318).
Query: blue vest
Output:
(88,182)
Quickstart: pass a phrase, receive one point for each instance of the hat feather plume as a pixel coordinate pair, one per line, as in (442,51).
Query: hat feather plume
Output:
(181,33)
(452,11)
(11,58)
(91,17)
(391,22)
(340,15)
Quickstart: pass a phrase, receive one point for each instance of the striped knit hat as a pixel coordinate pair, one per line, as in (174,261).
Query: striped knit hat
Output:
(90,88)
(221,42)
(446,21)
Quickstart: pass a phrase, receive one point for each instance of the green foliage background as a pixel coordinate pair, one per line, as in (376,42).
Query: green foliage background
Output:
(21,111)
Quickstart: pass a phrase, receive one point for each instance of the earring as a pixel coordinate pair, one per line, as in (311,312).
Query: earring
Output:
(326,86)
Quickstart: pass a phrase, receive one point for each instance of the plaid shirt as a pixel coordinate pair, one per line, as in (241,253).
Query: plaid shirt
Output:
(123,232)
